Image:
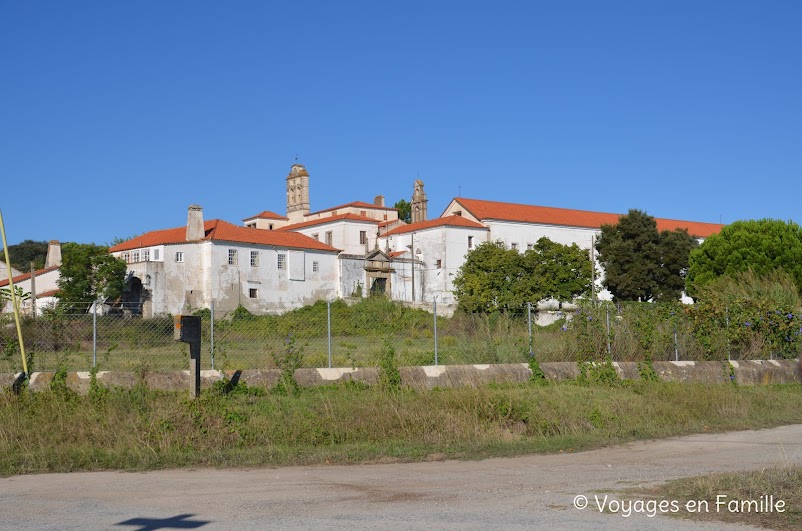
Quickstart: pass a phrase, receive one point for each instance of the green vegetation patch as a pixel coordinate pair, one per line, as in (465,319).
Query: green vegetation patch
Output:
(234,425)
(769,498)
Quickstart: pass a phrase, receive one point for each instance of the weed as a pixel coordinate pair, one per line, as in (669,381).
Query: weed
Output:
(288,361)
(389,376)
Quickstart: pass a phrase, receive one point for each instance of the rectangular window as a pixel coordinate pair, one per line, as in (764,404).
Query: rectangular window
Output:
(315,267)
(439,264)
(126,258)
(470,242)
(254,258)
(232,257)
(316,237)
(329,238)
(179,257)
(251,225)
(146,255)
(514,246)
(363,237)
(253,293)
(156,254)
(282,261)
(135,256)
(363,213)
(529,246)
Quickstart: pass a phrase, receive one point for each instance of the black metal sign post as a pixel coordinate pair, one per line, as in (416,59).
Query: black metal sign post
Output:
(188,330)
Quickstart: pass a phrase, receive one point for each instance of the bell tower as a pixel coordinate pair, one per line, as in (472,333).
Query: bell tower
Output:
(297,193)
(419,202)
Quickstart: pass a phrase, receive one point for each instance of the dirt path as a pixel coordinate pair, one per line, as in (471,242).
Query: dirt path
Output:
(516,493)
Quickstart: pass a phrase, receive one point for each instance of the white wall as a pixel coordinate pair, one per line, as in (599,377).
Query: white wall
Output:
(206,275)
(345,235)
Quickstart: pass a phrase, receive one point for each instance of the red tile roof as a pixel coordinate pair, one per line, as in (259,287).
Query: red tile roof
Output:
(219,230)
(266,215)
(450,221)
(26,276)
(51,293)
(355,204)
(494,210)
(330,219)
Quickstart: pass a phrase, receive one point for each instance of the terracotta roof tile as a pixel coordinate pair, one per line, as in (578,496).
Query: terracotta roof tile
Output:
(219,230)
(27,276)
(355,204)
(330,219)
(494,210)
(450,221)
(266,215)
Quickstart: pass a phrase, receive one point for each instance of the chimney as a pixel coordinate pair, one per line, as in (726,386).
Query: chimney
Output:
(53,254)
(379,200)
(195,229)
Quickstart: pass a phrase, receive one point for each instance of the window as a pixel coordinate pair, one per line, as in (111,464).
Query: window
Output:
(253,293)
(232,257)
(363,213)
(529,246)
(514,246)
(316,236)
(126,258)
(251,225)
(363,237)
(156,254)
(458,213)
(254,258)
(270,227)
(315,267)
(439,264)
(329,238)
(282,261)
(146,255)
(470,242)
(135,256)
(179,257)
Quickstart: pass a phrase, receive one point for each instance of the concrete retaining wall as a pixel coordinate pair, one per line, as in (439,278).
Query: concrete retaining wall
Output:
(712,372)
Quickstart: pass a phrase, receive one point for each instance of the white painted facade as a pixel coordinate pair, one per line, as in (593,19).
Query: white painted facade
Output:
(352,236)
(46,284)
(439,253)
(189,276)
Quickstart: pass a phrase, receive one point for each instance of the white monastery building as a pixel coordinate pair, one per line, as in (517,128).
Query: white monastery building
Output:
(274,263)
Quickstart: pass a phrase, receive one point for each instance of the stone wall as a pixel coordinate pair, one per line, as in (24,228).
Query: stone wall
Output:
(757,372)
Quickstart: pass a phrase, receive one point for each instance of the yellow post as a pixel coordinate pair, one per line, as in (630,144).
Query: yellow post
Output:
(14,299)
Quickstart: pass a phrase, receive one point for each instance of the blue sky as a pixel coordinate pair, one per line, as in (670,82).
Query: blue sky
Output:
(116,116)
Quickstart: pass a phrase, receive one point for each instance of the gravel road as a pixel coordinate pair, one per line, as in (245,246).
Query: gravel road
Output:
(511,493)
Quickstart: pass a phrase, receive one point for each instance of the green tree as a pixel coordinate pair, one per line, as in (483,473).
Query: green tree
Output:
(494,278)
(22,254)
(404,210)
(555,271)
(762,246)
(641,263)
(88,272)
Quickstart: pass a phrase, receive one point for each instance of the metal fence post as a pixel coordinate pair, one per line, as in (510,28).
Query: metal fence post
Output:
(211,333)
(328,328)
(94,336)
(676,350)
(609,346)
(435,331)
(727,320)
(529,320)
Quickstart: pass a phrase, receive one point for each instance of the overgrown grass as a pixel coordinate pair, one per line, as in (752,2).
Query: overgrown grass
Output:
(781,483)
(138,428)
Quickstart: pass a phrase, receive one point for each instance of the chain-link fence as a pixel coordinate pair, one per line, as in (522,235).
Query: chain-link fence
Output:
(337,334)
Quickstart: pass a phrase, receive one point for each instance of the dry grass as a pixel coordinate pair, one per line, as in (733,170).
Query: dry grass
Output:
(736,494)
(146,429)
